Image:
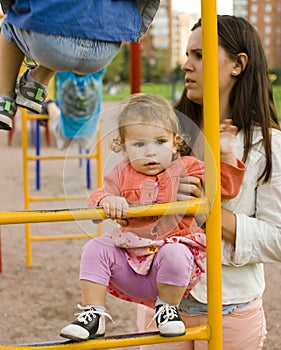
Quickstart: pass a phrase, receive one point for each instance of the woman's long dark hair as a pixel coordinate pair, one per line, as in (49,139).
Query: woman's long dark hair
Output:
(251,99)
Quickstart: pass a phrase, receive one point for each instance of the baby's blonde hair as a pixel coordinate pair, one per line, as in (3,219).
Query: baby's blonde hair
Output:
(147,108)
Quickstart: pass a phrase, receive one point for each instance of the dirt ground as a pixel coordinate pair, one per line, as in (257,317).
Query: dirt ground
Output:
(36,302)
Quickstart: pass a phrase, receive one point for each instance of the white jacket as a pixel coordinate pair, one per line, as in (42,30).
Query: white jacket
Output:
(258,232)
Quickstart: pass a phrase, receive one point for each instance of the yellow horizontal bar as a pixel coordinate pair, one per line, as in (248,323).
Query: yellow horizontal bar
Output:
(49,199)
(57,238)
(199,333)
(37,116)
(192,207)
(80,156)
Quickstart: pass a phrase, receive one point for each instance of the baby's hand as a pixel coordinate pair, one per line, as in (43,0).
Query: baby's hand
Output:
(115,207)
(228,134)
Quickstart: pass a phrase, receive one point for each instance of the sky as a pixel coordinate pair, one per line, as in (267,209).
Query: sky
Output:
(224,7)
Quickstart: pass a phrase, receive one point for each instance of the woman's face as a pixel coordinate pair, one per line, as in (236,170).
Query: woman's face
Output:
(193,70)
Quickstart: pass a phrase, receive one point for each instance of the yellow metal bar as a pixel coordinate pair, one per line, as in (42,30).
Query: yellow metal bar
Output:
(200,332)
(37,116)
(99,155)
(25,155)
(53,199)
(212,162)
(24,136)
(192,207)
(28,199)
(81,156)
(63,237)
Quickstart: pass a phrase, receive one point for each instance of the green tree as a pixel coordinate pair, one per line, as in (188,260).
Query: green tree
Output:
(118,69)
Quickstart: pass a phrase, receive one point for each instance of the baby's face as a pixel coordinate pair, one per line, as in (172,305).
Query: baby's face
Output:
(149,147)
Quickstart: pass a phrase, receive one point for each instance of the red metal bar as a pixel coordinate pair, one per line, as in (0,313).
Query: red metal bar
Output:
(135,67)
(11,133)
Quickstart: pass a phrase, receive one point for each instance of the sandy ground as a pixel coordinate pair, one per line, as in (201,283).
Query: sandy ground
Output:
(36,302)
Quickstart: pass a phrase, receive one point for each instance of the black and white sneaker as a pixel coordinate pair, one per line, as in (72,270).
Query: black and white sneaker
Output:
(30,94)
(169,321)
(89,324)
(8,109)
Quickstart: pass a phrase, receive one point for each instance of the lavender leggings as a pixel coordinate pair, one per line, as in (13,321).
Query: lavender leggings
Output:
(102,262)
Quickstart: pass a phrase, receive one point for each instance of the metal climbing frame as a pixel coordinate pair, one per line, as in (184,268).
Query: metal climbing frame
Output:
(196,206)
(28,199)
(212,331)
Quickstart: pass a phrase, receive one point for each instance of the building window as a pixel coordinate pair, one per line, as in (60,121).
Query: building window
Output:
(267,19)
(266,41)
(268,8)
(267,29)
(253,19)
(254,8)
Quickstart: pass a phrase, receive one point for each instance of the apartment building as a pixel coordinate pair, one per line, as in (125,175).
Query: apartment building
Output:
(265,15)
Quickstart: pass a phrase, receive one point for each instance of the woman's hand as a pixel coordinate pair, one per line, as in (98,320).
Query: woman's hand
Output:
(115,207)
(190,188)
(228,134)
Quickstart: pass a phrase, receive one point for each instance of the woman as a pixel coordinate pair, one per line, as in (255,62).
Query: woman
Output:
(251,222)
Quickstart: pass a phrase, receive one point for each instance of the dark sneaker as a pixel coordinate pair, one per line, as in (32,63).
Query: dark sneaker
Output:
(30,94)
(169,321)
(8,109)
(88,325)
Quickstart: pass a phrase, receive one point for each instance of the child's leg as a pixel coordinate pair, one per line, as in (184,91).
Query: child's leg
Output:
(101,262)
(174,266)
(42,74)
(32,88)
(10,62)
(93,293)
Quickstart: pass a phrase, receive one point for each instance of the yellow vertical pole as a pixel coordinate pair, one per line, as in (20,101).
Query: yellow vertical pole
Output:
(212,161)
(99,155)
(99,166)
(24,139)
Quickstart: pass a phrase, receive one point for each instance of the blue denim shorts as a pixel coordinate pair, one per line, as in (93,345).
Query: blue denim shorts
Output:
(62,53)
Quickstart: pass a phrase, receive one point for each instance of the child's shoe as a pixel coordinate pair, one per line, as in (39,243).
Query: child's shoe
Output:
(30,94)
(88,325)
(169,321)
(8,109)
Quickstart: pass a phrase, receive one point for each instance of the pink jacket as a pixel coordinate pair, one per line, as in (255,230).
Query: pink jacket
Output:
(138,188)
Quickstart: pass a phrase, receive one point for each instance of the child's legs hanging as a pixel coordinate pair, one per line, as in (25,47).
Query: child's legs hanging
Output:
(23,42)
(101,263)
(173,263)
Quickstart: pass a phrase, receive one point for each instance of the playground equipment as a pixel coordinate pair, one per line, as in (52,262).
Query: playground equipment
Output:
(28,198)
(196,206)
(212,331)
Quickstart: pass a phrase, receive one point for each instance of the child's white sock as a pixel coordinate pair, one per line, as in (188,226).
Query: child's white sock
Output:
(97,307)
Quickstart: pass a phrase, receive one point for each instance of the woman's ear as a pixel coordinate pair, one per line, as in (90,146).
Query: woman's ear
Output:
(240,64)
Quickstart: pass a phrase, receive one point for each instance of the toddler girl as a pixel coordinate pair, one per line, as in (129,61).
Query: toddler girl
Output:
(153,260)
